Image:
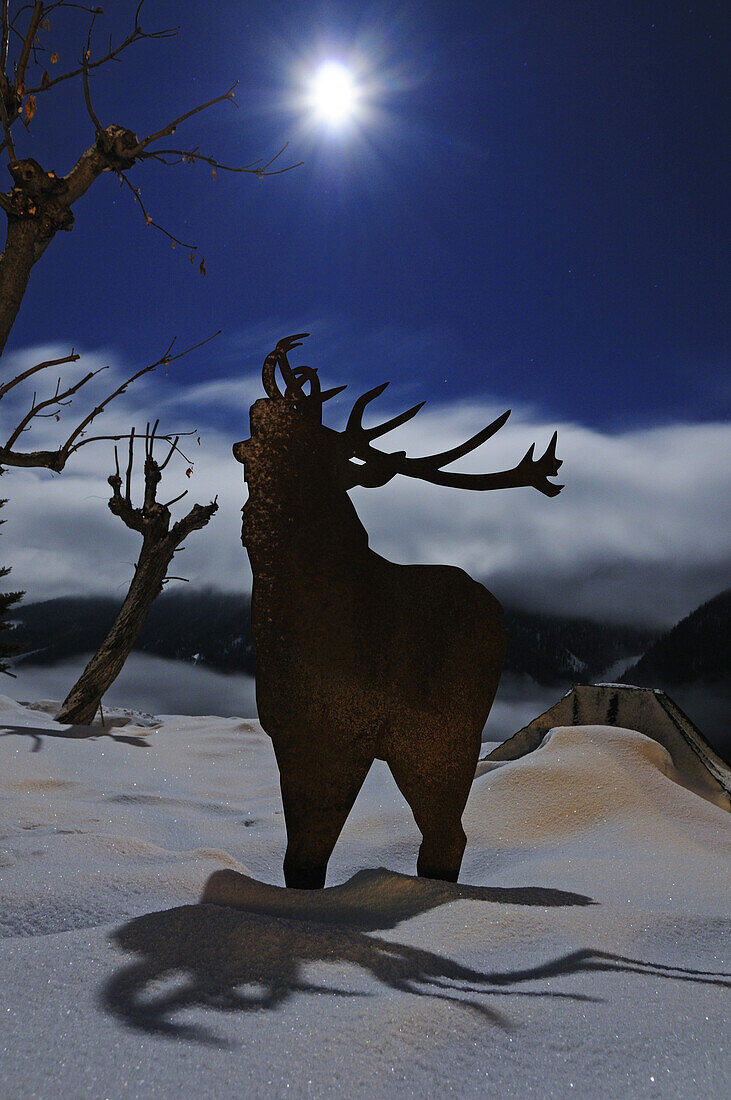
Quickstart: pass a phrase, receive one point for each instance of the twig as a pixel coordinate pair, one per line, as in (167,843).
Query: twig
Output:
(172,126)
(136,35)
(194,155)
(57,399)
(28,43)
(85,77)
(138,198)
(7,386)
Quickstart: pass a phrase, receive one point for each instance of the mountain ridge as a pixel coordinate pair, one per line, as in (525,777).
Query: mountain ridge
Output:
(213,629)
(696,648)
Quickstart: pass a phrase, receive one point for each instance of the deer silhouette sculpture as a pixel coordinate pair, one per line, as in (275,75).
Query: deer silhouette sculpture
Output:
(358,658)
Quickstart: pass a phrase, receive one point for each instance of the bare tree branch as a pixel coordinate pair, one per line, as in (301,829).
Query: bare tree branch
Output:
(170,453)
(98,128)
(136,35)
(6,94)
(4,36)
(192,155)
(69,446)
(56,459)
(7,386)
(57,399)
(122,505)
(189,156)
(167,437)
(172,126)
(128,476)
(195,520)
(25,51)
(149,221)
(175,501)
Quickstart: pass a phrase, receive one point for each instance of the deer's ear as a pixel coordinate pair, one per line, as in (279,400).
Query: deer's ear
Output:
(239,450)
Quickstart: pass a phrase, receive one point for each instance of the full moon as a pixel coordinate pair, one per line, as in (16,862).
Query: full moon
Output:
(333,93)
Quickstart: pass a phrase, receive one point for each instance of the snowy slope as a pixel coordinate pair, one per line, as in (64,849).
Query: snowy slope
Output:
(582,953)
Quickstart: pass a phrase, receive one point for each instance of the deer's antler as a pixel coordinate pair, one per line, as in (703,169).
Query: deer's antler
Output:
(380,466)
(377,467)
(294,377)
(278,358)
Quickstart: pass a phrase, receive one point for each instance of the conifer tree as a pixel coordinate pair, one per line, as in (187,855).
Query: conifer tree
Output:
(7,600)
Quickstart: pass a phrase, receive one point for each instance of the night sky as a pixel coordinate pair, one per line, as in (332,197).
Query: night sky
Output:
(526,210)
(530,205)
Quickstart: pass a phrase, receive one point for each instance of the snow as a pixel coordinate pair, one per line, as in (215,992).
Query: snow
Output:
(583,953)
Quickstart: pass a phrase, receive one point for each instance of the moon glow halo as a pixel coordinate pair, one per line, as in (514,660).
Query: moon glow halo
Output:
(333,94)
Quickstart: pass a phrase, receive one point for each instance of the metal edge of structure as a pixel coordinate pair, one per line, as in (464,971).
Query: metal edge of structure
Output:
(601,704)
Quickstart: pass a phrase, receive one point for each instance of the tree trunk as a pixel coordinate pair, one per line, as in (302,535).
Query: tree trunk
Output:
(22,249)
(38,206)
(82,702)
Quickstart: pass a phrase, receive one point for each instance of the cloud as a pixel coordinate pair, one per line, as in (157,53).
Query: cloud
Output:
(150,684)
(157,686)
(518,701)
(637,534)
(224,393)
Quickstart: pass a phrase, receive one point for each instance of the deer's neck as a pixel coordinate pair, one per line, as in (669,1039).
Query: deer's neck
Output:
(320,534)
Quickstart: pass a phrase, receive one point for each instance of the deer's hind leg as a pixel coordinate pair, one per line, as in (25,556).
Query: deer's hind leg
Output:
(317,794)
(434,773)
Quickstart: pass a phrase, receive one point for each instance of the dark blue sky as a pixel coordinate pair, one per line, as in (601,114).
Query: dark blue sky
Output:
(533,207)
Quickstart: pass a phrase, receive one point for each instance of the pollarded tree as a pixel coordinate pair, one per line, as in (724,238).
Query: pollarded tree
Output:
(160,542)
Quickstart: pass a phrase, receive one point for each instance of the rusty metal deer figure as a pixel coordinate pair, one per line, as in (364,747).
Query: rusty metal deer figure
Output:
(358,658)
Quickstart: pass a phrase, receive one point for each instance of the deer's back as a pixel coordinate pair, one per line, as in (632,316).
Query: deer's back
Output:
(375,640)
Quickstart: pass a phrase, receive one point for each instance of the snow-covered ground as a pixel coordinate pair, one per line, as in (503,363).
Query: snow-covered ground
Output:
(582,954)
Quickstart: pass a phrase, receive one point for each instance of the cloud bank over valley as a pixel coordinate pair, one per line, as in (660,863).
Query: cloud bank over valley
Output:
(636,535)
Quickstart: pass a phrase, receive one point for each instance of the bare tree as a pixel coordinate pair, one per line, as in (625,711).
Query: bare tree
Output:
(40,203)
(160,541)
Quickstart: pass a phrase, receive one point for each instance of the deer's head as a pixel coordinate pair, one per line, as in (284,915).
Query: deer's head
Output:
(290,445)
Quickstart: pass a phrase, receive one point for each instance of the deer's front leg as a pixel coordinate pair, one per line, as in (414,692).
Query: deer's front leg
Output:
(318,792)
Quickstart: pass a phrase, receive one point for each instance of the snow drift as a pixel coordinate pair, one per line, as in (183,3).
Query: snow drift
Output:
(583,949)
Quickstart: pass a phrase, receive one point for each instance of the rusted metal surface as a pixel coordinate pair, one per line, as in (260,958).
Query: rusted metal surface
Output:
(358,658)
